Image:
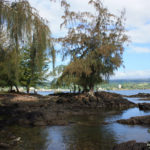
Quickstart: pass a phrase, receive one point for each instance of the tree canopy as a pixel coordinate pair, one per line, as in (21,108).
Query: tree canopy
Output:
(95,43)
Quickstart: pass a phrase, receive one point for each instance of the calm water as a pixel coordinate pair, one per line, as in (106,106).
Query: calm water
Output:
(87,133)
(131,92)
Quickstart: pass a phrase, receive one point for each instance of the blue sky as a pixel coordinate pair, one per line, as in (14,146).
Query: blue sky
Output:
(137,55)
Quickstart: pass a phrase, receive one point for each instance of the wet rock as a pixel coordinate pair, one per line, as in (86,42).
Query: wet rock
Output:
(39,123)
(131,145)
(59,122)
(4,146)
(141,95)
(105,123)
(140,120)
(99,100)
(144,106)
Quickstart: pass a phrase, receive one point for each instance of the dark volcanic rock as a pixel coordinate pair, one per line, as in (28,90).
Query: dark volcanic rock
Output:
(140,120)
(99,100)
(4,146)
(144,106)
(131,145)
(141,95)
(113,100)
(54,109)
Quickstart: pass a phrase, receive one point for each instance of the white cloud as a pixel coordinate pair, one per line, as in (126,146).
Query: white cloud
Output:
(137,15)
(137,11)
(50,11)
(140,50)
(136,74)
(140,34)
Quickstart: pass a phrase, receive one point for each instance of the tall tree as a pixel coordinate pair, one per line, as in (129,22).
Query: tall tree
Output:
(31,73)
(24,26)
(95,42)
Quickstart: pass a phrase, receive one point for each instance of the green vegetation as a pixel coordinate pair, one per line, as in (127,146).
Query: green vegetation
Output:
(111,85)
(25,40)
(125,85)
(95,44)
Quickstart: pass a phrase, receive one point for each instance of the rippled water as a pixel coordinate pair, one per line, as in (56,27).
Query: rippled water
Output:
(87,133)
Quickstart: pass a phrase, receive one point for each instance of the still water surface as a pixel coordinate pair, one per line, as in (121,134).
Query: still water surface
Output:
(87,133)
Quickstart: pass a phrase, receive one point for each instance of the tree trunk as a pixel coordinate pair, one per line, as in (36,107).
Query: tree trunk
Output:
(11,88)
(79,90)
(17,89)
(91,91)
(85,89)
(74,88)
(28,86)
(28,89)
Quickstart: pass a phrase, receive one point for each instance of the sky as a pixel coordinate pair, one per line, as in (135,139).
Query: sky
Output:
(136,56)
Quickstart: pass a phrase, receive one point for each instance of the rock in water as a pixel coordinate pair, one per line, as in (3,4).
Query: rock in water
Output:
(131,145)
(139,120)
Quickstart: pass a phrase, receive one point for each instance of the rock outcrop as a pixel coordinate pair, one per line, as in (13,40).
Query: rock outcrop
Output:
(144,106)
(53,109)
(140,120)
(131,145)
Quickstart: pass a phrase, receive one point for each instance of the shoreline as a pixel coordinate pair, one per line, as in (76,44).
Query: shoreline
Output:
(67,90)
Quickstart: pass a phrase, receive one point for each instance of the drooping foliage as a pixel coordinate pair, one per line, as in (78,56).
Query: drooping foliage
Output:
(95,42)
(22,26)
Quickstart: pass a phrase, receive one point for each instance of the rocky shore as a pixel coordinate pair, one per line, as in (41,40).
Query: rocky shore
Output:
(132,145)
(144,106)
(37,110)
(140,95)
(139,120)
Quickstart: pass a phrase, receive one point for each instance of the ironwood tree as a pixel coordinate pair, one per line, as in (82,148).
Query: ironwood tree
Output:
(23,27)
(95,43)
(32,74)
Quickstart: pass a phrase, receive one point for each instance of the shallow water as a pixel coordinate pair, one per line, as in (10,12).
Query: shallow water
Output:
(131,92)
(137,100)
(87,133)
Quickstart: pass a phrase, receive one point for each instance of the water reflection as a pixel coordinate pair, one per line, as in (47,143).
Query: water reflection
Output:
(87,133)
(31,138)
(90,134)
(131,92)
(79,137)
(137,100)
(125,133)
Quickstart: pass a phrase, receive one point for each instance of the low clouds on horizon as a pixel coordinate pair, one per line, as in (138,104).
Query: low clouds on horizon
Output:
(135,74)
